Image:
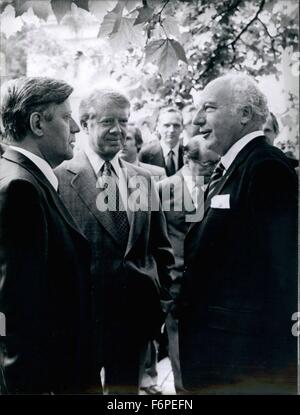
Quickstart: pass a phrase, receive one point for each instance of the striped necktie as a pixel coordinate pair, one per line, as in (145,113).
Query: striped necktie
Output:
(214,179)
(113,201)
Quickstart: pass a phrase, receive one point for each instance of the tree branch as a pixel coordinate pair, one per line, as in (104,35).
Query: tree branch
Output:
(261,6)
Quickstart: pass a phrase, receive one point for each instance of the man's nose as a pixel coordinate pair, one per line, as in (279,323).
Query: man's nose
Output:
(116,128)
(199,118)
(74,127)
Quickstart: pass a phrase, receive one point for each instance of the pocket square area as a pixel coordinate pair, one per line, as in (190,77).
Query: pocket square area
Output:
(220,202)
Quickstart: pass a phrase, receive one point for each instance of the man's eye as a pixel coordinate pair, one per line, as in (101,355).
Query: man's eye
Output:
(209,108)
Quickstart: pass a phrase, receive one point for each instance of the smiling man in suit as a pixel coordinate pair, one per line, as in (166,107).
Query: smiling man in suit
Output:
(239,288)
(131,253)
(44,259)
(167,152)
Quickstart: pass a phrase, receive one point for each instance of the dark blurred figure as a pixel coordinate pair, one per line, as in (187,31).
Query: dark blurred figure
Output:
(130,150)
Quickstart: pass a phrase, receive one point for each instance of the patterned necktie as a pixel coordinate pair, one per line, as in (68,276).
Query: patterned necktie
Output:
(114,202)
(214,179)
(170,164)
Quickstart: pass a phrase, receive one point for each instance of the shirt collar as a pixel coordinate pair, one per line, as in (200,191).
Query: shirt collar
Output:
(97,161)
(41,164)
(166,149)
(234,150)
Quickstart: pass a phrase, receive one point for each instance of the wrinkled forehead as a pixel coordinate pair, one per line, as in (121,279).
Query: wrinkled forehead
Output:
(109,108)
(170,117)
(218,91)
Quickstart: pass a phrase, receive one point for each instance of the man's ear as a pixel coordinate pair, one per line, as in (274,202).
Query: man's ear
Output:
(35,124)
(246,114)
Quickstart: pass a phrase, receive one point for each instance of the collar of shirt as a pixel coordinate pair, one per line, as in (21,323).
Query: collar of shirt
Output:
(189,180)
(166,149)
(121,174)
(234,150)
(41,164)
(97,161)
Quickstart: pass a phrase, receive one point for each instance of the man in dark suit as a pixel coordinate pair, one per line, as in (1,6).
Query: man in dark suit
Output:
(131,253)
(167,152)
(239,287)
(180,195)
(44,259)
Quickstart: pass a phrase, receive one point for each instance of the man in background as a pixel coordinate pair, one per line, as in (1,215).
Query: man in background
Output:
(132,147)
(167,152)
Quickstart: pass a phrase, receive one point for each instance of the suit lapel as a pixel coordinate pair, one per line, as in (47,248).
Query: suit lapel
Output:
(85,185)
(236,163)
(27,164)
(157,157)
(137,218)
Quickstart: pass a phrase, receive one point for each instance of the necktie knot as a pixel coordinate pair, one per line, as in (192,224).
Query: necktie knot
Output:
(106,169)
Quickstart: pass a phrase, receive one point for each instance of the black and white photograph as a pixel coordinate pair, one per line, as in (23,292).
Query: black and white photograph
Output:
(149,167)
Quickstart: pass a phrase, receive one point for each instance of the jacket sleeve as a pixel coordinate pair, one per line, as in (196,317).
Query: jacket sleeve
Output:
(23,253)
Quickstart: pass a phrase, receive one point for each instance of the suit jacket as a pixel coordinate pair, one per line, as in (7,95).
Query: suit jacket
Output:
(152,154)
(44,283)
(240,284)
(127,280)
(177,204)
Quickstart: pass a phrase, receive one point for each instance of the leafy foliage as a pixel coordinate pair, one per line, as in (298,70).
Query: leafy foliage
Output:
(169,50)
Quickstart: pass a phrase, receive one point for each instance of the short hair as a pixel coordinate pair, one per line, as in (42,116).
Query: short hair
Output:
(165,110)
(246,92)
(137,135)
(100,98)
(196,148)
(21,97)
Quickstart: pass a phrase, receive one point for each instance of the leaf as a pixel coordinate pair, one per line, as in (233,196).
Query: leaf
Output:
(61,8)
(165,53)
(131,4)
(83,4)
(4,3)
(145,14)
(100,8)
(127,35)
(112,20)
(10,24)
(41,8)
(171,27)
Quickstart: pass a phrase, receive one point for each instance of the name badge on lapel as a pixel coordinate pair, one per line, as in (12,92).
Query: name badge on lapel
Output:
(220,202)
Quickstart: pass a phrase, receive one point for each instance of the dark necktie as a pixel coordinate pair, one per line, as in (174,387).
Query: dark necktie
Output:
(214,179)
(114,202)
(170,164)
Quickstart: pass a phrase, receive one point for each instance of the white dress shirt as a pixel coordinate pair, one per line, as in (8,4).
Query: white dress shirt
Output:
(41,164)
(118,172)
(166,150)
(234,150)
